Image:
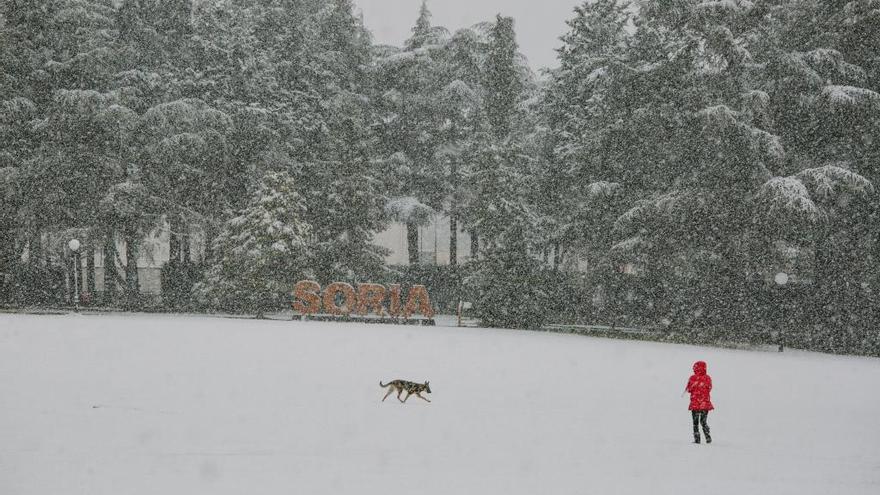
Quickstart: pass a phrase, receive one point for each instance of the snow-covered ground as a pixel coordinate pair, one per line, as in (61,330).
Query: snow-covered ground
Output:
(135,404)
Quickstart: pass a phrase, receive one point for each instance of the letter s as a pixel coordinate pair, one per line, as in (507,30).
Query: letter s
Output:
(306,291)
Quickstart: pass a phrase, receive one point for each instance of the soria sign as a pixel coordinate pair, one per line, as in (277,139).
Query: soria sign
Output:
(308,299)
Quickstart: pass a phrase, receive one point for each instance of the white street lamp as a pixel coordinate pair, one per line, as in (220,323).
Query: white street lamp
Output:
(74,247)
(781,278)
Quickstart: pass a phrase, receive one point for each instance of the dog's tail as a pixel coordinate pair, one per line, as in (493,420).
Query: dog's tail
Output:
(383,386)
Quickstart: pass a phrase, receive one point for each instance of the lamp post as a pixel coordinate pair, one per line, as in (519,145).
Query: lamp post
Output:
(74,247)
(781,280)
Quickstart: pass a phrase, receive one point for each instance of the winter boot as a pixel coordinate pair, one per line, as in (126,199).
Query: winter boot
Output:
(697,438)
(708,438)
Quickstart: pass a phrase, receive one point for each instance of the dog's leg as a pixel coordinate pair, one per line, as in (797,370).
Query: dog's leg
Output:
(407,396)
(399,391)
(389,393)
(419,395)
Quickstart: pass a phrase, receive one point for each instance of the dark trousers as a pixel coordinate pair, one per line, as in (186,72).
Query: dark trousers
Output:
(699,418)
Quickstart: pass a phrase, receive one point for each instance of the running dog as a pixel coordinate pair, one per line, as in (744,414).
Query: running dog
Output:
(405,386)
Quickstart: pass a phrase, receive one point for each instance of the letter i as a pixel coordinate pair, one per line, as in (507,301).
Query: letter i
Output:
(394,305)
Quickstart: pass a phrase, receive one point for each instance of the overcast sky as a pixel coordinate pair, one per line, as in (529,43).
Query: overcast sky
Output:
(539,23)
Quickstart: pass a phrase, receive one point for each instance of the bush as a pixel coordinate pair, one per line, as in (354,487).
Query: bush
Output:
(29,284)
(442,281)
(178,280)
(510,288)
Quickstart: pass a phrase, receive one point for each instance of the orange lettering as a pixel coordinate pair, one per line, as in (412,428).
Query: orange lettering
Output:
(394,304)
(418,297)
(370,297)
(330,298)
(306,292)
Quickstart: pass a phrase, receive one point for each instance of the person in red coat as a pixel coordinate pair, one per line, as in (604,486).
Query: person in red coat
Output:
(699,386)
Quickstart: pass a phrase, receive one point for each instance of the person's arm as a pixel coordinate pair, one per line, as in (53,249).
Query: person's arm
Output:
(709,383)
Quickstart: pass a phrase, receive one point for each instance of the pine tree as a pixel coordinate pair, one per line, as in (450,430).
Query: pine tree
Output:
(339,178)
(503,91)
(411,80)
(656,114)
(499,208)
(262,252)
(421,32)
(464,122)
(821,95)
(509,287)
(503,84)
(26,48)
(576,193)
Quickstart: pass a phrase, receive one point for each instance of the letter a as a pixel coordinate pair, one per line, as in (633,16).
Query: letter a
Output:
(418,297)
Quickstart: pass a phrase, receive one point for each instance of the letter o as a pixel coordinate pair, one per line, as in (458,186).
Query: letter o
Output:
(330,298)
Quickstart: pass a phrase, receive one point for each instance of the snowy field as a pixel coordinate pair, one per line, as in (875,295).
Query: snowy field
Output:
(193,405)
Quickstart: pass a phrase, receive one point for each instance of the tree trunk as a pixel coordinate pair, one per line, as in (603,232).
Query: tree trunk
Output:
(557,255)
(79,283)
(35,252)
(475,244)
(210,234)
(185,248)
(173,240)
(7,250)
(453,241)
(453,218)
(412,243)
(68,280)
(821,273)
(90,271)
(110,272)
(7,261)
(132,285)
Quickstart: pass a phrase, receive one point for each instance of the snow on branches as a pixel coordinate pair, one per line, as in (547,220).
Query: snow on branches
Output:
(801,196)
(829,180)
(409,210)
(788,196)
(849,96)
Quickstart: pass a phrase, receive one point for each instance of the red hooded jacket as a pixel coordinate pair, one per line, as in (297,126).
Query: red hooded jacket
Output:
(699,386)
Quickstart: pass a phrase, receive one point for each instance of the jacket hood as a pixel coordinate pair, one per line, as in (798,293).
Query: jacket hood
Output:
(700,368)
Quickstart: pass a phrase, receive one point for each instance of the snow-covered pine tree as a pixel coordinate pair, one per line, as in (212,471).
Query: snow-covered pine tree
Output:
(72,161)
(410,81)
(575,195)
(421,32)
(509,286)
(672,133)
(505,275)
(26,46)
(338,175)
(499,208)
(821,95)
(262,252)
(184,144)
(504,86)
(507,281)
(463,120)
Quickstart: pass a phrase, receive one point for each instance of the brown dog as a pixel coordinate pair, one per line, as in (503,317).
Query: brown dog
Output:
(408,387)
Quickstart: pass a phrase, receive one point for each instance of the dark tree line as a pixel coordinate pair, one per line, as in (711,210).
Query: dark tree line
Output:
(121,120)
(713,145)
(681,156)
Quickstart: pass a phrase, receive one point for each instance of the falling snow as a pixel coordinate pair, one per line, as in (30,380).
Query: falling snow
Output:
(691,172)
